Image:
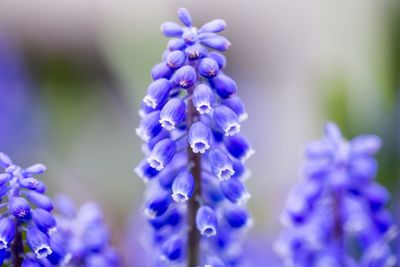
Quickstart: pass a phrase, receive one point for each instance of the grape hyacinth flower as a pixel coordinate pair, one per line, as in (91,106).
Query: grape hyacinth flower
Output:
(336,216)
(195,200)
(83,238)
(26,221)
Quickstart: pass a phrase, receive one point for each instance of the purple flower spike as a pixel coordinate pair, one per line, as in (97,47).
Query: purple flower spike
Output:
(23,197)
(194,158)
(338,205)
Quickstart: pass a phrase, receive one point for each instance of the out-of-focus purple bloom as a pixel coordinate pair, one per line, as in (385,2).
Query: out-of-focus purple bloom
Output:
(83,238)
(336,216)
(194,166)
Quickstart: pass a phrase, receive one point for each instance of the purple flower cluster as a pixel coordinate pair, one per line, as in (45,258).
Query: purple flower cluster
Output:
(336,216)
(194,163)
(83,238)
(26,222)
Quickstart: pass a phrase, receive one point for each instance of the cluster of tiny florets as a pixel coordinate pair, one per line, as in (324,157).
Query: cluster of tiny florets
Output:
(192,107)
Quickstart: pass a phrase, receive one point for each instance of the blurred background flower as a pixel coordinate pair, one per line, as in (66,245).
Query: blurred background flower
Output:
(73,73)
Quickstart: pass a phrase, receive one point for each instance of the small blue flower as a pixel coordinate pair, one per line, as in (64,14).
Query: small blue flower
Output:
(172,114)
(224,86)
(20,208)
(219,58)
(239,147)
(40,200)
(215,41)
(236,104)
(184,16)
(199,137)
(185,77)
(7,232)
(220,164)
(145,171)
(161,70)
(176,44)
(226,120)
(214,26)
(235,191)
(182,187)
(208,67)
(44,220)
(157,93)
(206,221)
(195,52)
(149,126)
(172,249)
(236,217)
(157,205)
(39,242)
(175,59)
(203,98)
(171,29)
(162,154)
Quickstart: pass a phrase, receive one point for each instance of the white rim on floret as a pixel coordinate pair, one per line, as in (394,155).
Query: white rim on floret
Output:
(199,142)
(149,101)
(203,108)
(180,196)
(225,173)
(232,129)
(156,163)
(167,123)
(43,251)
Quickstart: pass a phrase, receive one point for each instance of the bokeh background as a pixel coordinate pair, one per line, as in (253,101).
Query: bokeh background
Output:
(72,75)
